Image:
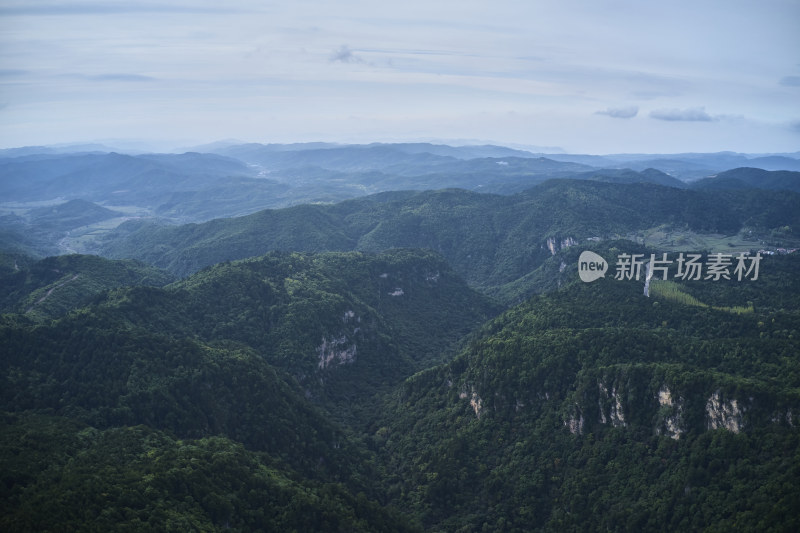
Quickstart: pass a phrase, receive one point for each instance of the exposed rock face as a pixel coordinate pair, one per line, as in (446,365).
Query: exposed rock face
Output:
(475,401)
(575,423)
(724,414)
(335,351)
(615,415)
(673,417)
(339,349)
(554,246)
(672,424)
(665,397)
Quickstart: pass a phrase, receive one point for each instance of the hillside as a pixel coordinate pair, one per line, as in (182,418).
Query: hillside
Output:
(51,287)
(321,392)
(413,360)
(596,408)
(117,178)
(490,240)
(754,178)
(69,215)
(144,428)
(42,231)
(76,477)
(258,374)
(338,323)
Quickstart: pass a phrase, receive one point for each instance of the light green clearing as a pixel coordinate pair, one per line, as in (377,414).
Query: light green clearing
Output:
(669,290)
(682,240)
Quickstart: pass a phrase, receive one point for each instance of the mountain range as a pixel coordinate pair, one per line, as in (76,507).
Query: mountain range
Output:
(493,241)
(231,180)
(396,338)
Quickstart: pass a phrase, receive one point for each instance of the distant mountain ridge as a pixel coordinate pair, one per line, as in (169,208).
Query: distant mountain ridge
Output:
(238,179)
(755,178)
(490,240)
(111,177)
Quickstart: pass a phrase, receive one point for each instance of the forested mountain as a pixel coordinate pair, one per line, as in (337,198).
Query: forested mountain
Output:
(260,394)
(69,215)
(41,231)
(596,408)
(649,175)
(51,287)
(253,362)
(111,177)
(79,478)
(490,240)
(752,178)
(689,166)
(423,359)
(230,179)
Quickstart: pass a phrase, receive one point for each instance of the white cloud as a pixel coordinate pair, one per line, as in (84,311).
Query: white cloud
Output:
(696,114)
(107,7)
(620,112)
(344,55)
(113,76)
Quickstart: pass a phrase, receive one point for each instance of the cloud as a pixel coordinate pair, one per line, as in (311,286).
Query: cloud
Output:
(106,8)
(109,76)
(695,114)
(9,72)
(344,55)
(790,81)
(120,77)
(795,126)
(620,112)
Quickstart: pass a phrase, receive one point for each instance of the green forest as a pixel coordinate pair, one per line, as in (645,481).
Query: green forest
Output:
(407,361)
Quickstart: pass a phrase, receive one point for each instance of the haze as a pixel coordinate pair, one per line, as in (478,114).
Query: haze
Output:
(584,76)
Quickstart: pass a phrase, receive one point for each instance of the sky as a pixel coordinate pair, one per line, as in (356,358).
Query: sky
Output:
(583,76)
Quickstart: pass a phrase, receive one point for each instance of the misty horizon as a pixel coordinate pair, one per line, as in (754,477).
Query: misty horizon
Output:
(588,78)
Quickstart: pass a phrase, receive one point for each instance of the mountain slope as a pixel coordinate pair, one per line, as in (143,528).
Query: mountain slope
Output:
(490,240)
(746,177)
(42,231)
(69,215)
(111,177)
(345,326)
(228,394)
(597,408)
(144,479)
(649,175)
(51,287)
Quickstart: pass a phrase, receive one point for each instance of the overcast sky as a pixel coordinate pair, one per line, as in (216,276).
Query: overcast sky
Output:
(588,76)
